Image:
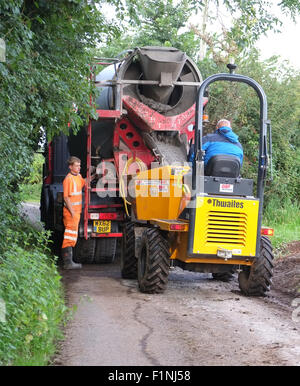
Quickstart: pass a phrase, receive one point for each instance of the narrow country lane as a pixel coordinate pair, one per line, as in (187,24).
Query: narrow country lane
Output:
(197,321)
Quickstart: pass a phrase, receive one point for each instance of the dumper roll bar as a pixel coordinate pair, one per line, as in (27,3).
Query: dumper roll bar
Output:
(263,148)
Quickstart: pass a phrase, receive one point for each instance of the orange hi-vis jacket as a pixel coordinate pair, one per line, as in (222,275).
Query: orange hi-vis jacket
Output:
(72,186)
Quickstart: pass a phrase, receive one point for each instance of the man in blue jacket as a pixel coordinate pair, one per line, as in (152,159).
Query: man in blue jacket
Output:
(222,141)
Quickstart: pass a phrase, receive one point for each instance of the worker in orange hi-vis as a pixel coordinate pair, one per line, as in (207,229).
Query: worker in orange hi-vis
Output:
(72,185)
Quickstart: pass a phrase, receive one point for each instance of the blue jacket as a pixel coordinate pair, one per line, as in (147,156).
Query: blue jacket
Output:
(222,141)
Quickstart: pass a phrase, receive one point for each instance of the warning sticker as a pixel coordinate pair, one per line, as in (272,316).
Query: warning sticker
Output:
(226,188)
(153,182)
(163,188)
(155,185)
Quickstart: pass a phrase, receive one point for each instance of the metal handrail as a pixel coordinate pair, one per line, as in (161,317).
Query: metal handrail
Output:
(145,82)
(262,161)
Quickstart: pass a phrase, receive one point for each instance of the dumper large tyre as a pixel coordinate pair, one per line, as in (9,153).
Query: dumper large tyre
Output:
(256,280)
(153,262)
(128,259)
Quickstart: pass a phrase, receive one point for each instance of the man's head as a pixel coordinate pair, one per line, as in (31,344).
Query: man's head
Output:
(74,164)
(223,122)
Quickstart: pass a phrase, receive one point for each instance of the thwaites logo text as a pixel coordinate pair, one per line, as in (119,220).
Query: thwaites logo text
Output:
(226,204)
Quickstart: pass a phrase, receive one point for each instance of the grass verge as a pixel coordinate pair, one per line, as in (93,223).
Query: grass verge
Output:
(285,219)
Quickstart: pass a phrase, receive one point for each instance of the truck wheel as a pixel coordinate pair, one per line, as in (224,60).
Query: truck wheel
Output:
(44,206)
(84,250)
(105,250)
(153,262)
(128,259)
(256,280)
(106,247)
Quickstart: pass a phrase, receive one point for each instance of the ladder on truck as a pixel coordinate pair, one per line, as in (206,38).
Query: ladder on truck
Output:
(89,209)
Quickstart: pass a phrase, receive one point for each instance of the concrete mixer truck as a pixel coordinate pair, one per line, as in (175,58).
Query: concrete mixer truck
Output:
(147,201)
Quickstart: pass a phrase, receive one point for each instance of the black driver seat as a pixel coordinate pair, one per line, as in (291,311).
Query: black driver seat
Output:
(222,165)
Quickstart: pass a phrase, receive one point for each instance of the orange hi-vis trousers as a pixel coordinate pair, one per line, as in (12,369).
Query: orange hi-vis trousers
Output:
(71,228)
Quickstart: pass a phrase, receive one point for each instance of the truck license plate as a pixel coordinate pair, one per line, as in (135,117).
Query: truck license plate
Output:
(102,226)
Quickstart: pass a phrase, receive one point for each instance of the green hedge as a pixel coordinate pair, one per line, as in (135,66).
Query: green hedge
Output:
(31,291)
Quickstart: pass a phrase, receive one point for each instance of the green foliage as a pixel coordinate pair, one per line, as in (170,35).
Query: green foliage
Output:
(285,219)
(290,7)
(166,22)
(36,173)
(31,290)
(31,193)
(48,55)
(155,23)
(241,104)
(49,46)
(162,23)
(252,18)
(30,190)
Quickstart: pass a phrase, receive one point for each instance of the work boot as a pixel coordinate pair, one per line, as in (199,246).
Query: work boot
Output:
(67,255)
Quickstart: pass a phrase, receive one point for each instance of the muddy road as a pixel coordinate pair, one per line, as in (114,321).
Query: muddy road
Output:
(197,321)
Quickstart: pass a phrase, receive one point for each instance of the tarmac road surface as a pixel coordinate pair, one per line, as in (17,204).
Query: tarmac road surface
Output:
(197,321)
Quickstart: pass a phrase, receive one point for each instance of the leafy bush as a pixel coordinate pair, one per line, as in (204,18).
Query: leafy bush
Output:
(32,293)
(31,193)
(240,104)
(36,173)
(48,51)
(31,290)
(284,217)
